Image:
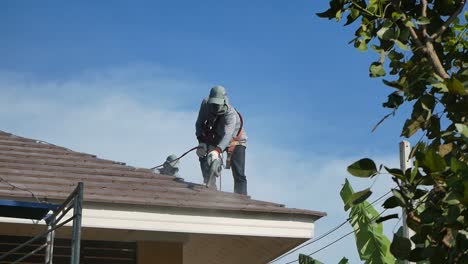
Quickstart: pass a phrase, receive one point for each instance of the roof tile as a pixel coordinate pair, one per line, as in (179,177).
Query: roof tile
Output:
(52,172)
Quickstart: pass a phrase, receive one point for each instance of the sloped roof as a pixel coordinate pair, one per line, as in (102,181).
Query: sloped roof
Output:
(52,171)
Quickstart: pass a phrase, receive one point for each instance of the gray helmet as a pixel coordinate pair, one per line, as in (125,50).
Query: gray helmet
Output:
(217,95)
(172,161)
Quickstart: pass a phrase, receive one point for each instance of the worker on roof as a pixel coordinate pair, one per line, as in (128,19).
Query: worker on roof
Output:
(219,128)
(170,166)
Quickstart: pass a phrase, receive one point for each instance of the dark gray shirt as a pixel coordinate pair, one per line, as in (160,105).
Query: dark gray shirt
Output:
(227,127)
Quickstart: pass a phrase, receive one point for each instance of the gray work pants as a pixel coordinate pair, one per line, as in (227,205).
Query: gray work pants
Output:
(238,170)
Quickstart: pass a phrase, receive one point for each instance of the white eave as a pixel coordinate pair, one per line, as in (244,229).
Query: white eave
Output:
(192,221)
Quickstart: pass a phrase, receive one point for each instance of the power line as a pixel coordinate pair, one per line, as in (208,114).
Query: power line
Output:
(380,198)
(329,231)
(313,241)
(347,234)
(23,189)
(340,238)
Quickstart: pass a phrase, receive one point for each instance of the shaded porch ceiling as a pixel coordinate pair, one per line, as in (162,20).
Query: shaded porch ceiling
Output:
(197,248)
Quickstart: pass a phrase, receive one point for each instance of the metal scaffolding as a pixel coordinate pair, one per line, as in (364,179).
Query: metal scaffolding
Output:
(54,221)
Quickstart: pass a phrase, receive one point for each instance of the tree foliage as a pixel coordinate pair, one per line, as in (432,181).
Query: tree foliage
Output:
(373,246)
(422,54)
(304,259)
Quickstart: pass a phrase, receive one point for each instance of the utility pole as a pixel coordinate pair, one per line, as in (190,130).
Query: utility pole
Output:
(406,163)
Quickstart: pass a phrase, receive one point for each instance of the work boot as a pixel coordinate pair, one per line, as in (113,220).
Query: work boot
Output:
(240,188)
(212,183)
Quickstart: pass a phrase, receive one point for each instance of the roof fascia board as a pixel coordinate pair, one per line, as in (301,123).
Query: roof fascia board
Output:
(166,221)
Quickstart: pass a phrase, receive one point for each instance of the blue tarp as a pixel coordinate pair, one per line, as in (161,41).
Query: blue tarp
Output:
(27,210)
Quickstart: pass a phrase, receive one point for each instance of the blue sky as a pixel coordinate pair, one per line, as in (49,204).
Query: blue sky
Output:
(124,79)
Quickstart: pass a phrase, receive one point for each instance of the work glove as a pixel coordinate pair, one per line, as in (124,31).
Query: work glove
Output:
(213,155)
(201,150)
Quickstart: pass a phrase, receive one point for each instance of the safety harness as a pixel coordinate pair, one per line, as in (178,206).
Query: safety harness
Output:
(212,138)
(235,142)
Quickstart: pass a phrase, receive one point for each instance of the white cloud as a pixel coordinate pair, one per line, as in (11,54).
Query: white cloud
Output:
(314,183)
(133,114)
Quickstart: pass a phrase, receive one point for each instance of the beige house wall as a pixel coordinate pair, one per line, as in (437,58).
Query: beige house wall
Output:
(150,252)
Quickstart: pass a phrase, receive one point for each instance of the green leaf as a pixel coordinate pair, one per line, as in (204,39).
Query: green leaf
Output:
(387,217)
(419,193)
(373,246)
(462,129)
(304,259)
(346,193)
(397,194)
(426,104)
(452,198)
(434,161)
(395,55)
(344,261)
(401,45)
(365,35)
(361,196)
(385,33)
(418,255)
(377,48)
(411,126)
(433,128)
(394,100)
(414,172)
(353,15)
(392,202)
(396,16)
(373,7)
(458,27)
(394,84)
(442,87)
(408,23)
(331,12)
(387,23)
(400,247)
(338,15)
(457,166)
(453,214)
(376,70)
(360,45)
(455,86)
(396,172)
(423,21)
(404,35)
(465,194)
(438,255)
(363,168)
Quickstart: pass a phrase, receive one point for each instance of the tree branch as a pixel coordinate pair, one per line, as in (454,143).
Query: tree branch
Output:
(449,21)
(364,10)
(385,9)
(424,14)
(424,8)
(435,61)
(382,57)
(383,119)
(428,46)
(414,35)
